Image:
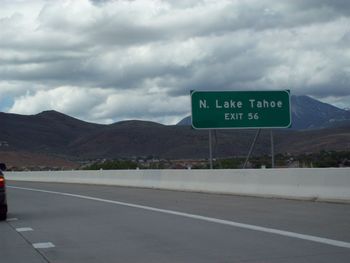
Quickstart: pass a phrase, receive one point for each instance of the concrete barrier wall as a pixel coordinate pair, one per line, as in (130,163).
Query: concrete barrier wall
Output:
(331,184)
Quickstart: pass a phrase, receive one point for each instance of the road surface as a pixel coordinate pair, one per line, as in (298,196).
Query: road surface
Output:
(83,223)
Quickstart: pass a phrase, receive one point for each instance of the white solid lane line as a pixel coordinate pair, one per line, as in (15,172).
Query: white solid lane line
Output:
(321,240)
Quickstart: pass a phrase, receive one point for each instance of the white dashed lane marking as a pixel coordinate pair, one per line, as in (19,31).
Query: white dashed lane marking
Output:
(12,219)
(24,229)
(37,246)
(43,245)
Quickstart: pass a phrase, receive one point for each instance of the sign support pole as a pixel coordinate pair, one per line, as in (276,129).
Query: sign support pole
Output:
(210,151)
(272,150)
(252,147)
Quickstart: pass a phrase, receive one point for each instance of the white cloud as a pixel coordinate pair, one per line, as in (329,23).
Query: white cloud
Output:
(103,105)
(67,55)
(75,100)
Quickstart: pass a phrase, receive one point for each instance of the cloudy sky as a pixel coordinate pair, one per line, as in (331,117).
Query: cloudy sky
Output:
(105,61)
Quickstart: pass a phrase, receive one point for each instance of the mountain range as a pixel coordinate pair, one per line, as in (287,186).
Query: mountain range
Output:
(52,137)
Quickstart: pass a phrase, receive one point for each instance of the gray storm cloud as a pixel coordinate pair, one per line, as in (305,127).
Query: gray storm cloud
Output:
(65,55)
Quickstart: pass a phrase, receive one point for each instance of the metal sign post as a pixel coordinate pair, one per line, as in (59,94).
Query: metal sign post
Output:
(272,150)
(210,151)
(251,148)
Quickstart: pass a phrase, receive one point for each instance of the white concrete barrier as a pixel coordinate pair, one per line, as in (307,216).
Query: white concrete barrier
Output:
(328,184)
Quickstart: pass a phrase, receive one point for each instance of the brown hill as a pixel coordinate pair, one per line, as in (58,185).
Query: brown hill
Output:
(55,134)
(46,132)
(35,161)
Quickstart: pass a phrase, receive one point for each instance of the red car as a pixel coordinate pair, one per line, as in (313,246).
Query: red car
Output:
(3,202)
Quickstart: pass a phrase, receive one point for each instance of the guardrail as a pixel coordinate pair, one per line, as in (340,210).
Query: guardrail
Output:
(326,184)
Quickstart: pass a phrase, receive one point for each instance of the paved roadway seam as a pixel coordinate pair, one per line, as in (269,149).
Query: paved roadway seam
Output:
(316,239)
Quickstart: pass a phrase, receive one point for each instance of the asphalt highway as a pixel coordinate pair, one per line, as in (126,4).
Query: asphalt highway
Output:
(88,223)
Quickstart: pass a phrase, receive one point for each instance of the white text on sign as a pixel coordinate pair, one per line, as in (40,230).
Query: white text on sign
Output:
(232,104)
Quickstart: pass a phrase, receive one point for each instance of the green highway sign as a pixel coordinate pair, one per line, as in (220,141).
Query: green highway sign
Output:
(240,109)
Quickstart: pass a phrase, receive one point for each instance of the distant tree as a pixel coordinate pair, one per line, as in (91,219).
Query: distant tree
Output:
(112,165)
